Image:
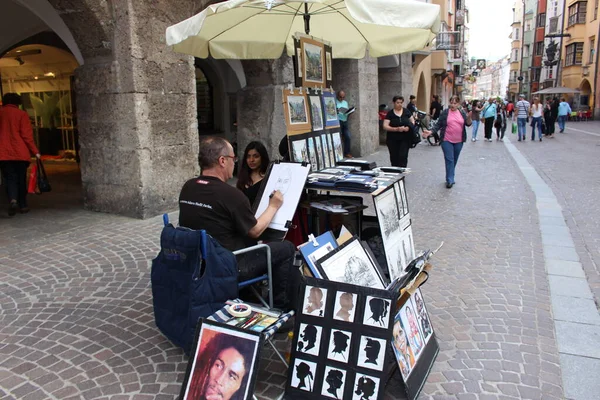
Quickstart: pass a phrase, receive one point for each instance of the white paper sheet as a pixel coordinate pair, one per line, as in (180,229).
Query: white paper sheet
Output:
(289,179)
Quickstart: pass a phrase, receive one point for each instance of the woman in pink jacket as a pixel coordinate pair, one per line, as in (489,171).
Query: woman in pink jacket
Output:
(16,148)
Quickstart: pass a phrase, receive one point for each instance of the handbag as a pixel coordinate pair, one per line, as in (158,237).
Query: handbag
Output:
(415,138)
(514,128)
(33,176)
(42,178)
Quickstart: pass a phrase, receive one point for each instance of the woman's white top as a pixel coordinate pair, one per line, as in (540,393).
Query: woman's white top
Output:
(536,111)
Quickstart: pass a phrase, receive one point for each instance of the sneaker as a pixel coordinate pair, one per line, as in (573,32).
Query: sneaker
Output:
(540,139)
(472,140)
(490,140)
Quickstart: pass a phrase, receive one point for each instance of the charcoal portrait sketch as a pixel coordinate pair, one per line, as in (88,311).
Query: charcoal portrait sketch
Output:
(351,264)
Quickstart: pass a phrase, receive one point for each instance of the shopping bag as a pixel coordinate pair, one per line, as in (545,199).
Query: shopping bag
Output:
(42,178)
(32,186)
(514,127)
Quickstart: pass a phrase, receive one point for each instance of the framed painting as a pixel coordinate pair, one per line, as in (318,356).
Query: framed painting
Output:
(337,146)
(220,347)
(328,66)
(297,115)
(330,110)
(299,149)
(316,112)
(313,63)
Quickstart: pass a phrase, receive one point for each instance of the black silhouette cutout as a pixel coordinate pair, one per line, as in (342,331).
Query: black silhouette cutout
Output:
(304,375)
(335,381)
(309,335)
(379,310)
(365,387)
(340,342)
(372,351)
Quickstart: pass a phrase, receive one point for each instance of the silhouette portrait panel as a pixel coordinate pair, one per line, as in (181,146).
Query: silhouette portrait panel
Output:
(345,306)
(334,380)
(314,301)
(365,387)
(371,353)
(303,375)
(339,345)
(309,339)
(377,312)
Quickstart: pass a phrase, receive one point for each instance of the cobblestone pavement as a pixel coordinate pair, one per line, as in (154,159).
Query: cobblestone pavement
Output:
(76,310)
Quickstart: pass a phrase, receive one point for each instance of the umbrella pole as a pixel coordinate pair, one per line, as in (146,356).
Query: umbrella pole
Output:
(306,20)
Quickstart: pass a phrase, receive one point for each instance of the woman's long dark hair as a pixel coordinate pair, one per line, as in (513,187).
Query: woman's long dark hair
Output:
(244,175)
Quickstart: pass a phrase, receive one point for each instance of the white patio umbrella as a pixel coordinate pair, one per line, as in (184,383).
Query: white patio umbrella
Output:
(259,29)
(557,90)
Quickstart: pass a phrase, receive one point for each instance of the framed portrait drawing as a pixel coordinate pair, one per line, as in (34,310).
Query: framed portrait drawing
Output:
(316,112)
(350,263)
(313,63)
(220,347)
(328,66)
(330,110)
(297,113)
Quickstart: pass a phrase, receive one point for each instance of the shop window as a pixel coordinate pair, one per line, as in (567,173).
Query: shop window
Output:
(577,13)
(574,54)
(553,26)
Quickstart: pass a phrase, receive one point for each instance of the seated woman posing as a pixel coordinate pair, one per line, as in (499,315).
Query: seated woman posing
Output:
(253,169)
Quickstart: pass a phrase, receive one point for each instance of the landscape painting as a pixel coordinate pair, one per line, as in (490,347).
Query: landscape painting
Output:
(296,112)
(313,63)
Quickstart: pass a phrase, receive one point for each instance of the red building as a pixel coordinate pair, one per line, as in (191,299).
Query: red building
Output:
(538,46)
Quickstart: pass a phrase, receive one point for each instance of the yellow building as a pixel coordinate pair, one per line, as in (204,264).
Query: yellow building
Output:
(579,67)
(435,71)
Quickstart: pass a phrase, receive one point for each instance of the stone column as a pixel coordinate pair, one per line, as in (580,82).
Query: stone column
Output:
(137,114)
(358,78)
(397,81)
(260,104)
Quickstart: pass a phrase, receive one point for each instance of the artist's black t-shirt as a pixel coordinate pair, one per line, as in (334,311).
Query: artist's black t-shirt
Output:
(396,121)
(222,210)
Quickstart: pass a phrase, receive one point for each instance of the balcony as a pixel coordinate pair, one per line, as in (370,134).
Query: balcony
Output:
(447,41)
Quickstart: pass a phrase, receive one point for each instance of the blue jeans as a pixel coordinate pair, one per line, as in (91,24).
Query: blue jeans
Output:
(345,137)
(562,119)
(537,121)
(521,124)
(451,153)
(474,128)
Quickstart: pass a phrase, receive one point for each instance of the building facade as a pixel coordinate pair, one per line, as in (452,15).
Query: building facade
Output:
(516,36)
(579,52)
(136,109)
(527,46)
(553,39)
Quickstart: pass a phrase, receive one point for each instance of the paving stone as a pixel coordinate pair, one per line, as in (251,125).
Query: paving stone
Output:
(573,309)
(580,377)
(565,268)
(578,339)
(561,253)
(570,287)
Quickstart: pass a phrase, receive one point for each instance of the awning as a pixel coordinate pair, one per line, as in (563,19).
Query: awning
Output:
(556,90)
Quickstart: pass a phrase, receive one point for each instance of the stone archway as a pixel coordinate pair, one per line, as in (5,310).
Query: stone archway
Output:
(422,97)
(585,89)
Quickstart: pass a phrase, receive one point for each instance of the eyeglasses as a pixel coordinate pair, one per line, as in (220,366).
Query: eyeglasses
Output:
(234,158)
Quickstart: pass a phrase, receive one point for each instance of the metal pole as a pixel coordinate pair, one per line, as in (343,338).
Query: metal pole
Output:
(522,45)
(562,31)
(306,19)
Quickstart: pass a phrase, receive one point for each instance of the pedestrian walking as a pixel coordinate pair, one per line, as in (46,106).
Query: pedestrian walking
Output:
(475,115)
(510,108)
(436,108)
(488,116)
(341,103)
(522,111)
(451,127)
(16,148)
(548,120)
(398,124)
(536,112)
(564,110)
(500,123)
